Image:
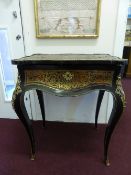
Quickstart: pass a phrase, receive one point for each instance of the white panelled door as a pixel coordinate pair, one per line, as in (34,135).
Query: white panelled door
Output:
(11,46)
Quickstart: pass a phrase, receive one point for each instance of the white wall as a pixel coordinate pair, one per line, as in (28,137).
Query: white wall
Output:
(16,49)
(81,108)
(104,44)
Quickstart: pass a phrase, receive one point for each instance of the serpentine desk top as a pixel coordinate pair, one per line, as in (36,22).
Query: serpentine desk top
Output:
(72,58)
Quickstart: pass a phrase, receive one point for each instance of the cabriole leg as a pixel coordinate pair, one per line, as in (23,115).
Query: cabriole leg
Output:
(41,102)
(98,105)
(118,106)
(19,107)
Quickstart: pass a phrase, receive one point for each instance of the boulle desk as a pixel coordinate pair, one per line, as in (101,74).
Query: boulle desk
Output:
(70,75)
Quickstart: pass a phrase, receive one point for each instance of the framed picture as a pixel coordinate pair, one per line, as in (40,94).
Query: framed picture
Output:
(67,18)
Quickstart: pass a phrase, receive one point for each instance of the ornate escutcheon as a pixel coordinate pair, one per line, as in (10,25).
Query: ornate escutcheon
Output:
(68,76)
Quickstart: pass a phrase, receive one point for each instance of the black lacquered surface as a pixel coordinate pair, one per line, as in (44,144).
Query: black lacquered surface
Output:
(73,75)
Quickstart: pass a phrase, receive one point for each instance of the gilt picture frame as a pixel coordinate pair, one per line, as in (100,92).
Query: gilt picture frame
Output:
(67,18)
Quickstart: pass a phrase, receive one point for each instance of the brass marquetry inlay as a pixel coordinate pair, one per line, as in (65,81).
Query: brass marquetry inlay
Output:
(68,79)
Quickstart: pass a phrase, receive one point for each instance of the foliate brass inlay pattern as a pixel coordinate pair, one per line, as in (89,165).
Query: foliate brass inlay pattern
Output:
(120,92)
(16,91)
(68,79)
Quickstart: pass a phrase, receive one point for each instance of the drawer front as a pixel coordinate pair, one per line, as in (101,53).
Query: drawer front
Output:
(68,79)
